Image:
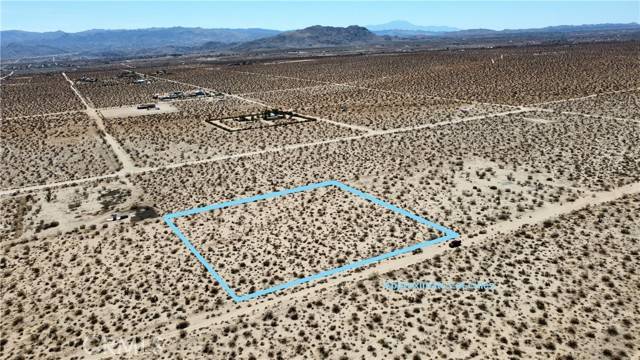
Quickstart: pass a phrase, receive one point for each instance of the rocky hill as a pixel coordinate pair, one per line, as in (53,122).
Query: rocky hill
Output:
(315,37)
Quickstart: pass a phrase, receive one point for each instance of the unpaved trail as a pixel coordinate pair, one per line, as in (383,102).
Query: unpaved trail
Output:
(584,97)
(283,90)
(530,106)
(7,76)
(349,126)
(204,88)
(207,320)
(138,170)
(605,117)
(351,85)
(124,158)
(336,123)
(128,166)
(73,87)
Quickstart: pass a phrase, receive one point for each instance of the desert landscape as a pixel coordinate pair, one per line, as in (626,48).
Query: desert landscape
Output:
(530,155)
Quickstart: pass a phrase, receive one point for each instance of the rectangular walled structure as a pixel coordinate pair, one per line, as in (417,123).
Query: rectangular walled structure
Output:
(334,186)
(231,124)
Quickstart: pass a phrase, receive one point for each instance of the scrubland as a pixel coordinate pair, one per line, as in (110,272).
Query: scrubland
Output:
(529,153)
(372,108)
(51,148)
(111,90)
(513,76)
(276,236)
(187,136)
(564,289)
(624,105)
(36,94)
(231,81)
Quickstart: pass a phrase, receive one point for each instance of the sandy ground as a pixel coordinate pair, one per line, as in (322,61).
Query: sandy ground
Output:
(205,322)
(132,111)
(545,198)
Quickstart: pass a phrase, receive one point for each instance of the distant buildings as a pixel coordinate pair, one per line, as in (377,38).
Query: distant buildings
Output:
(181,94)
(86,79)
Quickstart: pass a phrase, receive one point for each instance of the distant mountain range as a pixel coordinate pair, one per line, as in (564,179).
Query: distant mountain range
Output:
(15,43)
(180,40)
(405,28)
(549,29)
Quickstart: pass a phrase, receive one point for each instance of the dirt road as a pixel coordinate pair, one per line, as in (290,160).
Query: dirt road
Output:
(6,76)
(130,168)
(207,320)
(128,165)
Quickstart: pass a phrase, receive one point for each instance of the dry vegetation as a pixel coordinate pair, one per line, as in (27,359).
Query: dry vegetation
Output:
(624,105)
(186,136)
(276,236)
(90,282)
(372,108)
(504,76)
(51,148)
(564,289)
(547,161)
(112,90)
(526,190)
(228,81)
(36,94)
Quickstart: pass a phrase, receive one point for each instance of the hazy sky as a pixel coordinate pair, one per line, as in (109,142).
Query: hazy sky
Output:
(72,16)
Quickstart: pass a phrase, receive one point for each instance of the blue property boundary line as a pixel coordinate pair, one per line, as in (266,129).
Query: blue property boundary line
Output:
(448,235)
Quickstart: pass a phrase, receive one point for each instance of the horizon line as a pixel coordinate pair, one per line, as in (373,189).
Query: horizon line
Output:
(344,26)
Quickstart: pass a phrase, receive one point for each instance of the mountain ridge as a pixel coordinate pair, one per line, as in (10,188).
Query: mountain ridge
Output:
(403,25)
(313,37)
(17,43)
(184,40)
